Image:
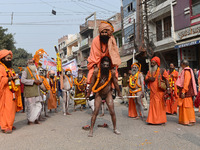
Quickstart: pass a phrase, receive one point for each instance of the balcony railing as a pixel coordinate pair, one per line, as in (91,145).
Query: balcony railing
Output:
(161,36)
(75,49)
(84,42)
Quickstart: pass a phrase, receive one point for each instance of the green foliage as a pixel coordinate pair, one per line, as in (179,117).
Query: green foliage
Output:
(20,55)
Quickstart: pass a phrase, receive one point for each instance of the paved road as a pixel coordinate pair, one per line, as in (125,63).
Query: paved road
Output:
(64,132)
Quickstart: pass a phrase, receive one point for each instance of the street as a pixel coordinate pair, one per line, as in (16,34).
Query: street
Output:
(65,132)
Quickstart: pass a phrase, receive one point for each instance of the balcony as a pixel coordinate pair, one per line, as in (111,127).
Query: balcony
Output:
(72,39)
(163,40)
(160,8)
(75,49)
(84,42)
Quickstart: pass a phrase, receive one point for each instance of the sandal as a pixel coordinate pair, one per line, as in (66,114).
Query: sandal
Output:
(103,126)
(87,127)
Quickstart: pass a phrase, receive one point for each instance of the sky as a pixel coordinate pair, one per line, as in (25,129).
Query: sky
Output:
(35,27)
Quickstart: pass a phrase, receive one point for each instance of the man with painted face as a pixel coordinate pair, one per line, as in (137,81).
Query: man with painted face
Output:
(171,103)
(136,88)
(7,103)
(101,84)
(68,84)
(44,89)
(103,45)
(32,82)
(80,89)
(157,109)
(52,102)
(187,89)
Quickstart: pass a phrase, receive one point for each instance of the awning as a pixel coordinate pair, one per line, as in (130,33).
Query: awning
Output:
(188,43)
(124,61)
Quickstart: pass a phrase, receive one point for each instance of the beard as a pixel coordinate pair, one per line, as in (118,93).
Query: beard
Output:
(171,70)
(32,68)
(104,71)
(104,39)
(8,64)
(153,69)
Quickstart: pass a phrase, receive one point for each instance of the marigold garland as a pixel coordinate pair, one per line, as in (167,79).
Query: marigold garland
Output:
(53,88)
(78,84)
(157,72)
(70,82)
(171,81)
(32,74)
(45,82)
(11,83)
(135,79)
(97,81)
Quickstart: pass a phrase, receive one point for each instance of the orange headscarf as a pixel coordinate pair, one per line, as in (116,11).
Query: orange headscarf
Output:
(157,60)
(5,52)
(68,70)
(112,45)
(136,64)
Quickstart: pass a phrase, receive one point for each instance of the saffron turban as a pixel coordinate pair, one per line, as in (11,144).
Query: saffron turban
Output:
(136,64)
(105,25)
(5,52)
(68,70)
(156,59)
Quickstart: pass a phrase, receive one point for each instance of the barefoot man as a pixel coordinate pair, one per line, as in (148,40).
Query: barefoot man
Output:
(80,89)
(136,88)
(44,89)
(101,84)
(68,84)
(7,93)
(52,102)
(33,100)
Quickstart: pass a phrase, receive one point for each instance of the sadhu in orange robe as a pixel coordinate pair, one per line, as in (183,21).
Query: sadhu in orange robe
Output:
(186,109)
(7,104)
(99,50)
(157,111)
(52,102)
(171,103)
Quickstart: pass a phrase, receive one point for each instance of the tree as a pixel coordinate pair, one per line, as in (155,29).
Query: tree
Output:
(20,55)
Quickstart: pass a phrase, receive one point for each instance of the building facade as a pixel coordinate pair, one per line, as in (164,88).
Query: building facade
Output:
(187,30)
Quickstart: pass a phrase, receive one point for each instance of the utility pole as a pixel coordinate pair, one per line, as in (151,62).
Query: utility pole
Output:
(122,21)
(147,24)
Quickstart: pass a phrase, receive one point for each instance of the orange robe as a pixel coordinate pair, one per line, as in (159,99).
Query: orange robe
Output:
(157,111)
(132,112)
(186,109)
(18,99)
(171,104)
(52,101)
(95,56)
(7,104)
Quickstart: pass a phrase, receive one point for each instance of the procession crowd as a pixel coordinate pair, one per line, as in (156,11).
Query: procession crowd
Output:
(37,91)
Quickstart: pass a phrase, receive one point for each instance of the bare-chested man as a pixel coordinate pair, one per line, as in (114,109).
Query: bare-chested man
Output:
(136,88)
(44,89)
(68,84)
(101,84)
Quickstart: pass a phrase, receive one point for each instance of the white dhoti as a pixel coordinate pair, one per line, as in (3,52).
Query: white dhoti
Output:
(33,107)
(66,100)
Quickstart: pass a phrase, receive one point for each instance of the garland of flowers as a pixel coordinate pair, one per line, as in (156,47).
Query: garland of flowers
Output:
(133,92)
(32,74)
(135,79)
(45,82)
(157,72)
(71,83)
(97,81)
(53,88)
(11,83)
(171,81)
(78,84)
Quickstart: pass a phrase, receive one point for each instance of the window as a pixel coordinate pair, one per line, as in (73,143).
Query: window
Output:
(159,30)
(167,27)
(130,7)
(195,7)
(158,2)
